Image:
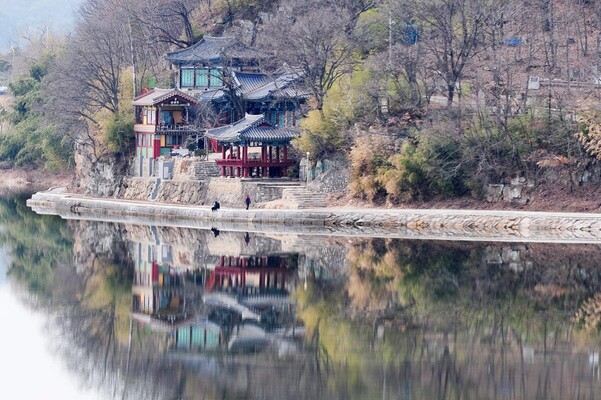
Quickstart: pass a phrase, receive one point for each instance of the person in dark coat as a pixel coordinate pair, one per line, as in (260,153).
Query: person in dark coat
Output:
(247,201)
(215,207)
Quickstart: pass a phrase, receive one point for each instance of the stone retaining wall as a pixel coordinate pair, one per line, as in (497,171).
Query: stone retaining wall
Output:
(228,192)
(420,224)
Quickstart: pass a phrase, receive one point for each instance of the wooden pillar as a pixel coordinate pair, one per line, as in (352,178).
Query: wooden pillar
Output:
(285,151)
(223,152)
(245,167)
(231,152)
(270,154)
(222,172)
(277,153)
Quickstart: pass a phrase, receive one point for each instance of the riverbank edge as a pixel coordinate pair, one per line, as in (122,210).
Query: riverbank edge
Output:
(412,223)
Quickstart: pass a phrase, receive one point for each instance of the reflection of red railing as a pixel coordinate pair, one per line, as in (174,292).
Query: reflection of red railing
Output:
(269,277)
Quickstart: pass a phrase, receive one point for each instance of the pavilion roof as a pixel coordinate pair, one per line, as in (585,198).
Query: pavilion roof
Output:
(252,128)
(157,96)
(258,87)
(212,50)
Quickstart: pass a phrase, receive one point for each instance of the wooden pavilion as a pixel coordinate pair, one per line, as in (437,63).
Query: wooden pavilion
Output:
(253,148)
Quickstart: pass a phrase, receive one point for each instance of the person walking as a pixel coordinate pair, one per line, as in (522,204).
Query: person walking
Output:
(247,201)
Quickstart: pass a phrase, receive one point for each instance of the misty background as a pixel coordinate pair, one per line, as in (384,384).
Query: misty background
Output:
(19,17)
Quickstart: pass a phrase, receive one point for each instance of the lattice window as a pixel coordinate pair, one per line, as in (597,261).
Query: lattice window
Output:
(202,78)
(187,78)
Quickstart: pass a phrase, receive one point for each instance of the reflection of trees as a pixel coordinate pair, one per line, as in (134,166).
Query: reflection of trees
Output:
(456,320)
(37,243)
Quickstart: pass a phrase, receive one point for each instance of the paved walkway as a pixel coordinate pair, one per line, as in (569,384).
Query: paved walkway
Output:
(482,225)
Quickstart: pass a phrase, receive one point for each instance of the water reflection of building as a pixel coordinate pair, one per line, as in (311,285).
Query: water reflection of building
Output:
(160,290)
(237,301)
(252,276)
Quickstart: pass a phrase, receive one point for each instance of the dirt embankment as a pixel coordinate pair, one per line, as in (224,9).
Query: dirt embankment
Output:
(541,198)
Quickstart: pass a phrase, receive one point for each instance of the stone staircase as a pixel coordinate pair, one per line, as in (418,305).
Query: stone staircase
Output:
(301,197)
(155,189)
(206,169)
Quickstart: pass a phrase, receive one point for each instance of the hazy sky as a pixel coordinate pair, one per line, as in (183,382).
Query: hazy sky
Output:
(17,16)
(29,368)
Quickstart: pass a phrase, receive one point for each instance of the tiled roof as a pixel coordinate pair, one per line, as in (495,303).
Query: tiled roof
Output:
(284,85)
(251,128)
(157,96)
(250,81)
(211,95)
(212,50)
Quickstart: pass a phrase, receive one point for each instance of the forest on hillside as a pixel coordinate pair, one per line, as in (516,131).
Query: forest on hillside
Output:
(424,99)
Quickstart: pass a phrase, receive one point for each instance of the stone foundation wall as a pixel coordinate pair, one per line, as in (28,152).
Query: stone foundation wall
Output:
(229,192)
(513,192)
(189,192)
(137,188)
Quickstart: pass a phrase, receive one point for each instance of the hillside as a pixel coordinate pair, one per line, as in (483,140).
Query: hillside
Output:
(424,101)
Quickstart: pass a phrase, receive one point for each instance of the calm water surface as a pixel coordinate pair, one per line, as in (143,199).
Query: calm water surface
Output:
(104,311)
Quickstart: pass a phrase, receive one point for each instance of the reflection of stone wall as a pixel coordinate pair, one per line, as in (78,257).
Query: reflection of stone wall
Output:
(194,248)
(318,254)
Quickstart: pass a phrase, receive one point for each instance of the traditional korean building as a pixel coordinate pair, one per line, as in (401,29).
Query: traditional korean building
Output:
(208,68)
(253,113)
(253,148)
(162,125)
(256,111)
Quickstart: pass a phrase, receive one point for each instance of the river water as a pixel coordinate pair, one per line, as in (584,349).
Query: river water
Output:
(107,311)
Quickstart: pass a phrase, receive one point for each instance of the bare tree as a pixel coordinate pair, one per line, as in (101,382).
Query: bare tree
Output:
(314,37)
(168,21)
(451,33)
(87,77)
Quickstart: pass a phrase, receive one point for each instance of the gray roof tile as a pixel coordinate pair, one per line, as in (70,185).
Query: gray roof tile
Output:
(211,50)
(251,128)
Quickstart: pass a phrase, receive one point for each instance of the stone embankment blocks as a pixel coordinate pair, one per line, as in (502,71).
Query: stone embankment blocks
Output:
(422,224)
